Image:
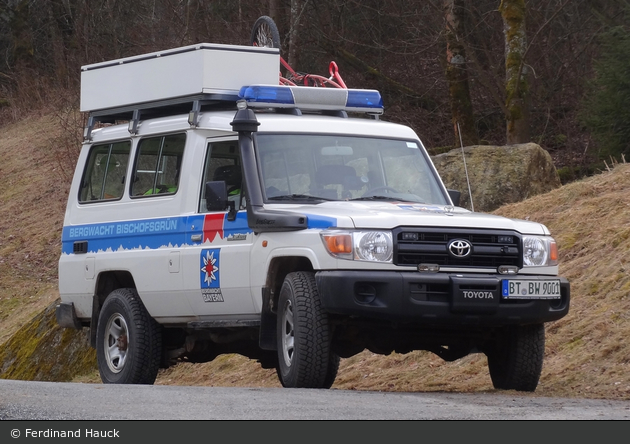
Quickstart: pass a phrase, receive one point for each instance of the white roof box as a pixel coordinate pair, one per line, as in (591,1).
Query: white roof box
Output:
(177,74)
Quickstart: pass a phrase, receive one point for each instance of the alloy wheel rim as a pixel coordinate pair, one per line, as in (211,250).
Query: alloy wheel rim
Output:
(116,342)
(288,334)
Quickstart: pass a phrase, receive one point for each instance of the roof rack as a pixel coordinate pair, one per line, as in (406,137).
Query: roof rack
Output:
(191,105)
(177,80)
(191,79)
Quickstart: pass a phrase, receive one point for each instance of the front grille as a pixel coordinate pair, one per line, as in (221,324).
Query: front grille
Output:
(490,248)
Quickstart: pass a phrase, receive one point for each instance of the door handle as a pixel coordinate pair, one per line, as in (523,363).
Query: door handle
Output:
(195,238)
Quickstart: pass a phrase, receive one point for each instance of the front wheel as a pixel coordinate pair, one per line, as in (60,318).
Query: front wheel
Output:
(128,340)
(305,358)
(515,359)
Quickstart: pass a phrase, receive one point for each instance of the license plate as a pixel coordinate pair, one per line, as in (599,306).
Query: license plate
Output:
(525,289)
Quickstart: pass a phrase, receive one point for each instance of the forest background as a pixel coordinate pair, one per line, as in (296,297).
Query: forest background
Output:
(553,72)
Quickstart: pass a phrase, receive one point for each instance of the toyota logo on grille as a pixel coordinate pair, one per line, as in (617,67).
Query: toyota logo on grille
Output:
(459,248)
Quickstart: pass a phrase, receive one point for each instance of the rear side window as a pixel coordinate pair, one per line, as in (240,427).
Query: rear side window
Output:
(105,170)
(157,165)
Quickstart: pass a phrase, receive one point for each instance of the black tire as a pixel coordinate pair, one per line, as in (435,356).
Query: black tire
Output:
(265,33)
(128,340)
(515,360)
(331,373)
(305,359)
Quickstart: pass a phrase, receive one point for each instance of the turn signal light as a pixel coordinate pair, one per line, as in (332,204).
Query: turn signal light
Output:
(339,243)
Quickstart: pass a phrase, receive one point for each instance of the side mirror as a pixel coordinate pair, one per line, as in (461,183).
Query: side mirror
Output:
(217,198)
(455,196)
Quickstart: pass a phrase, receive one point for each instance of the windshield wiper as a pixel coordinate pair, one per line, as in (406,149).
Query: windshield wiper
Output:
(297,197)
(376,198)
(389,198)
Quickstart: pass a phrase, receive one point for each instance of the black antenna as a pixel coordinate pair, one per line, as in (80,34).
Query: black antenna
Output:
(461,143)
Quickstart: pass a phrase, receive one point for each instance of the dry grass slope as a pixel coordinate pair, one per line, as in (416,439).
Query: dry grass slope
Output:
(586,352)
(32,204)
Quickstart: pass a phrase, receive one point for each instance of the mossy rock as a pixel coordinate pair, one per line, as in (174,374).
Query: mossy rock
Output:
(43,351)
(498,175)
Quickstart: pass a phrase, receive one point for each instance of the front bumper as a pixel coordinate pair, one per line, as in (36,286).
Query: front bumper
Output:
(435,299)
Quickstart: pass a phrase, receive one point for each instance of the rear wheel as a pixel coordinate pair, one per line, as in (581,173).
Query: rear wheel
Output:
(128,340)
(515,360)
(265,33)
(304,355)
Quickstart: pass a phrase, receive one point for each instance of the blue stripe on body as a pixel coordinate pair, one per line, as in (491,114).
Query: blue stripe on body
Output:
(133,234)
(318,221)
(159,232)
(144,233)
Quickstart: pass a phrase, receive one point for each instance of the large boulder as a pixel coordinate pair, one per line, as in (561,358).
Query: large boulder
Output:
(43,351)
(498,174)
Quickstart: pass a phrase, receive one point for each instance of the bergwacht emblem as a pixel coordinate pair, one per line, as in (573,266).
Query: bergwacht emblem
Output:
(459,248)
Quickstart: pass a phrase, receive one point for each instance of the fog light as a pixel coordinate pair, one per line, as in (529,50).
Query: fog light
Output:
(507,269)
(429,268)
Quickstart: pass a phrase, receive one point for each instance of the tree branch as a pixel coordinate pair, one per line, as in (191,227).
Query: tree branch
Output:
(361,66)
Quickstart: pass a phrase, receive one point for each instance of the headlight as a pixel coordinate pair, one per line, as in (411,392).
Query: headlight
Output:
(371,246)
(539,251)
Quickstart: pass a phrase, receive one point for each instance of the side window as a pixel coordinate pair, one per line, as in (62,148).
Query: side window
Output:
(223,163)
(104,174)
(157,165)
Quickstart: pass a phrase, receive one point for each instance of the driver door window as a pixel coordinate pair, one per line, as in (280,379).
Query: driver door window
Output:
(223,163)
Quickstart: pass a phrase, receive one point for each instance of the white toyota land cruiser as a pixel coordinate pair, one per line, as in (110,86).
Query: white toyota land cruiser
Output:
(230,214)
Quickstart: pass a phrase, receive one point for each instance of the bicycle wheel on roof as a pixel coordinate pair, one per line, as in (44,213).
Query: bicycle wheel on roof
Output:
(265,33)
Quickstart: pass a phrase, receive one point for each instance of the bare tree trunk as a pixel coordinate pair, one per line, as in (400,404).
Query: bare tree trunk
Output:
(457,75)
(273,10)
(294,23)
(57,48)
(516,87)
(22,49)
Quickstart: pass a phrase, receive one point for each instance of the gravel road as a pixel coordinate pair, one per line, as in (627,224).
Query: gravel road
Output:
(25,400)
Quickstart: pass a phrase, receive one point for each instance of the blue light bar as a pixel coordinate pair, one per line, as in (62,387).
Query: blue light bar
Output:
(312,98)
(364,99)
(266,95)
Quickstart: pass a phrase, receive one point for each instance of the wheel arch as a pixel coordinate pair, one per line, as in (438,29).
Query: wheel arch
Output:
(107,281)
(279,267)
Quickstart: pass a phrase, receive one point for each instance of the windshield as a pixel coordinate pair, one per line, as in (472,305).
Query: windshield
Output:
(323,167)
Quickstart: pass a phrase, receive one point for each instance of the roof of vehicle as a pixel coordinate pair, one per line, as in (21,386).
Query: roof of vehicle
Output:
(269,122)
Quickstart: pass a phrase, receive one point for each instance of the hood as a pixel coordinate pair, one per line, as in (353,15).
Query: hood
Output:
(388,215)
